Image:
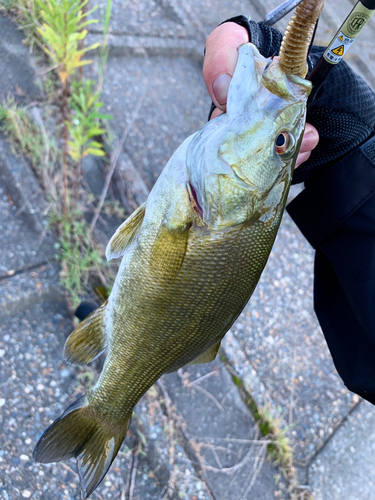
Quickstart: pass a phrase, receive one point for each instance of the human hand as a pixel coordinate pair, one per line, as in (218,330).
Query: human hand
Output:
(219,65)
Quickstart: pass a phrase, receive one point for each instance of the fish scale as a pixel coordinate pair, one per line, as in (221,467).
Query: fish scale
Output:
(211,288)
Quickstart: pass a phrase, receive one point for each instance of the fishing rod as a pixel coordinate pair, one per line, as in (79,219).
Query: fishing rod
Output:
(340,44)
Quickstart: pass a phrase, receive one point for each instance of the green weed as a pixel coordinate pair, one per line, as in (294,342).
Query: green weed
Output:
(84,125)
(59,28)
(29,136)
(78,254)
(16,123)
(62,29)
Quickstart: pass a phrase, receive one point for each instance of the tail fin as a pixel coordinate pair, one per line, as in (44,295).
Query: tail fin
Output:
(80,433)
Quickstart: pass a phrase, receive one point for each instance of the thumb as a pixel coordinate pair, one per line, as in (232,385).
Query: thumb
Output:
(221,59)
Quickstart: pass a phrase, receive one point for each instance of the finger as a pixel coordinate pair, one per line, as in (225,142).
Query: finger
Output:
(216,112)
(221,59)
(302,157)
(310,139)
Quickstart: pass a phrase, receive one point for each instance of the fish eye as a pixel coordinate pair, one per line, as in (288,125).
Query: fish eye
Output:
(282,143)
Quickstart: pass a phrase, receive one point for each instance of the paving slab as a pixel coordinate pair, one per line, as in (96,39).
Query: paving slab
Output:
(148,17)
(24,238)
(223,434)
(21,187)
(175,104)
(36,385)
(149,23)
(170,18)
(279,351)
(26,289)
(23,246)
(17,67)
(344,469)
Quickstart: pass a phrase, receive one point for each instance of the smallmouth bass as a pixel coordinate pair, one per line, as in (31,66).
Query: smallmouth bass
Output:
(191,258)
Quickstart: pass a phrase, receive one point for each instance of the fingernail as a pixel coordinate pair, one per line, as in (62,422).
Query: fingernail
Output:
(220,88)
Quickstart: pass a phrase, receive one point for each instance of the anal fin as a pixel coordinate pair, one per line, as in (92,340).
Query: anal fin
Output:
(88,340)
(207,356)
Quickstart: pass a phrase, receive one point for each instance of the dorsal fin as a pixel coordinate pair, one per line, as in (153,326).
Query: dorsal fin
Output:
(125,234)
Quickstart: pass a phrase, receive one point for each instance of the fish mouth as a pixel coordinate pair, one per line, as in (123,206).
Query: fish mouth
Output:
(193,198)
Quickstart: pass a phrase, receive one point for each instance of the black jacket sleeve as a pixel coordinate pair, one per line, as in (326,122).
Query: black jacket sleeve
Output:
(336,213)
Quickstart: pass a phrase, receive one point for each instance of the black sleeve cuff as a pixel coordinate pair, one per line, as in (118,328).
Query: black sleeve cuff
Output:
(266,39)
(241,21)
(327,202)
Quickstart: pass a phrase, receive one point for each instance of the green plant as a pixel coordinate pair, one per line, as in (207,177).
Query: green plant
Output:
(17,123)
(62,30)
(77,253)
(59,27)
(84,124)
(32,140)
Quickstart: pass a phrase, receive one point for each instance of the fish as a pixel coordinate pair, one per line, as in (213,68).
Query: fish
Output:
(192,256)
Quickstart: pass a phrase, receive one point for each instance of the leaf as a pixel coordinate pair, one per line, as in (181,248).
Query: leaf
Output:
(93,151)
(63,76)
(95,131)
(96,144)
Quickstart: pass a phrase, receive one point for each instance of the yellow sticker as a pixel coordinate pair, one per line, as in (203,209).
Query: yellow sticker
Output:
(339,51)
(349,31)
(338,48)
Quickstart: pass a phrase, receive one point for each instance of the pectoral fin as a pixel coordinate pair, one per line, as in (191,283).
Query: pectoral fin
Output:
(168,252)
(125,234)
(88,340)
(207,356)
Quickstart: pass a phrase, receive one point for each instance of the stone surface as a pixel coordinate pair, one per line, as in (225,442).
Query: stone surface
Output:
(170,18)
(23,245)
(223,433)
(174,106)
(345,466)
(26,289)
(36,385)
(279,350)
(26,272)
(16,66)
(21,188)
